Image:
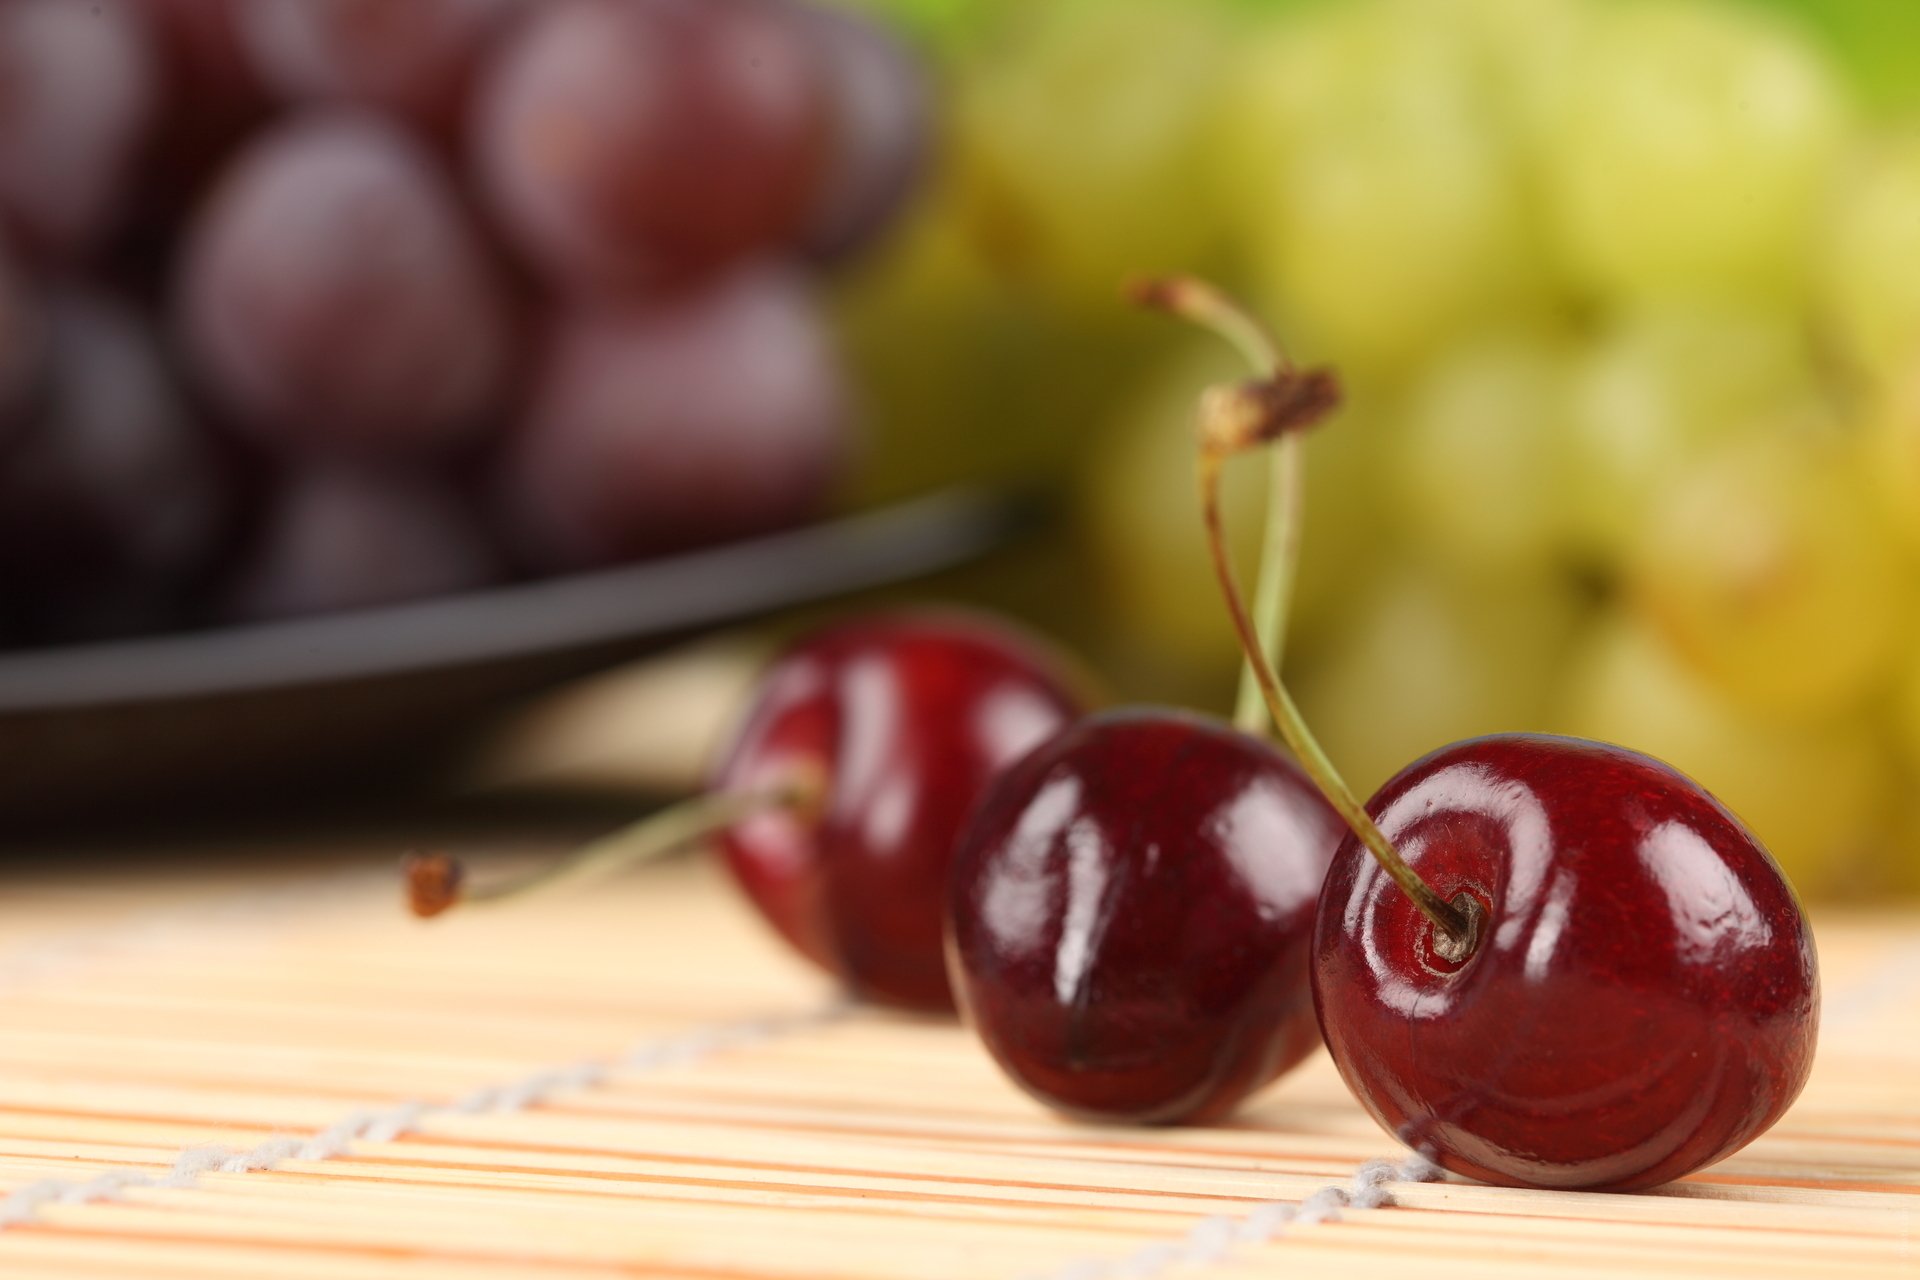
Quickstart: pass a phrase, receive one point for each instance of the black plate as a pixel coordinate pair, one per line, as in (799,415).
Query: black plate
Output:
(319,701)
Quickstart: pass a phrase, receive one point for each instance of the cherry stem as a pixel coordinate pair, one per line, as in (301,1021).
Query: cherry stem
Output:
(436,883)
(1279,566)
(1233,420)
(1200,303)
(1447,918)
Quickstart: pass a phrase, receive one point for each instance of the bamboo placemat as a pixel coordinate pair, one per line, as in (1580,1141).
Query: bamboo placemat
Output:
(632,1080)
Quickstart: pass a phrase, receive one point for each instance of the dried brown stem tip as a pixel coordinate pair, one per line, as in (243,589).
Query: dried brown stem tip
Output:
(1242,415)
(1173,294)
(433,883)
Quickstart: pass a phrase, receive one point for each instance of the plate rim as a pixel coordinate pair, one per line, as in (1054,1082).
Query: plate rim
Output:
(576,611)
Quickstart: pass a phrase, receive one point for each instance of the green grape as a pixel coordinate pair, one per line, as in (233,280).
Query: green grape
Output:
(1485,469)
(1893,456)
(1270,6)
(1526,49)
(1378,199)
(1875,40)
(1900,871)
(1342,534)
(1814,792)
(1907,725)
(1870,263)
(1139,517)
(1079,141)
(1764,569)
(1904,859)
(962,377)
(1695,142)
(1285,76)
(943,25)
(1665,382)
(1424,659)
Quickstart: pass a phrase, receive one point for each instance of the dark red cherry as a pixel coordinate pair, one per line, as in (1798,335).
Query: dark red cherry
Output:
(901,721)
(1642,999)
(1132,915)
(1540,961)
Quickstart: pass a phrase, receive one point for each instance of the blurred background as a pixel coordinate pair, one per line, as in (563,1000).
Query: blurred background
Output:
(314,310)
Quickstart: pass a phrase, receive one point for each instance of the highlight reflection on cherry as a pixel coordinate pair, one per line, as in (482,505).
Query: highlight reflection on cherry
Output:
(1131,914)
(1643,998)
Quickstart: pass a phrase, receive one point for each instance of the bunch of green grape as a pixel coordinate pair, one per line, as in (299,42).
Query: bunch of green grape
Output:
(1627,297)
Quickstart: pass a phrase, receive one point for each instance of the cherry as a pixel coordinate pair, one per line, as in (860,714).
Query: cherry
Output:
(838,802)
(1544,962)
(1131,915)
(904,721)
(1131,904)
(1643,996)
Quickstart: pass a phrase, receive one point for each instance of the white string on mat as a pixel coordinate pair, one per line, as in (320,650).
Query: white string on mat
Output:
(24,1205)
(1211,1241)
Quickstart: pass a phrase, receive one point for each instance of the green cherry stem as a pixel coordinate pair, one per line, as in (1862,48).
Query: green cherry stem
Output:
(1448,919)
(436,883)
(1279,568)
(1232,421)
(1202,304)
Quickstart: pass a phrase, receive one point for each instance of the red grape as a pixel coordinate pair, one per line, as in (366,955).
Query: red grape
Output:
(659,427)
(881,127)
(23,347)
(209,101)
(336,298)
(415,59)
(213,94)
(111,500)
(342,538)
(79,88)
(630,141)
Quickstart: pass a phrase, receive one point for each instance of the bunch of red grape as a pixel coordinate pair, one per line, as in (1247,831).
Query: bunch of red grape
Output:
(312,305)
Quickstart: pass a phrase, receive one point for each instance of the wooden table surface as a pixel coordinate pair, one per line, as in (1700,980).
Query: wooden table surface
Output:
(274,1073)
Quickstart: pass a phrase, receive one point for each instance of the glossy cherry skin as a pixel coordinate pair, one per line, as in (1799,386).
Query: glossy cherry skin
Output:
(1132,917)
(1644,996)
(902,720)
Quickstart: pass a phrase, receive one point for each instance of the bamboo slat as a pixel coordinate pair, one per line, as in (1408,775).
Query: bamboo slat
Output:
(699,1105)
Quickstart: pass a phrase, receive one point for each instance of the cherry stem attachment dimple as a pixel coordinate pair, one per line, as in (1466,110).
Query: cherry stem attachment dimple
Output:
(1200,303)
(436,883)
